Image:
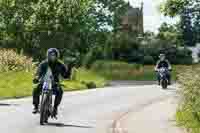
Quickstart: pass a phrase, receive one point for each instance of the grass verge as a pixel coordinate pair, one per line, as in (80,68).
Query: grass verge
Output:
(188,112)
(19,84)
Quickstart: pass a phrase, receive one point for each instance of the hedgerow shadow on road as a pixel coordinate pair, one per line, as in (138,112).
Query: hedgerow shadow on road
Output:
(7,104)
(131,83)
(67,125)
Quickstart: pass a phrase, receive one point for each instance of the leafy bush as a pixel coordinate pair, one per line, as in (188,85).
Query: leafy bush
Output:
(88,78)
(93,55)
(122,46)
(116,70)
(180,56)
(88,60)
(11,61)
(148,60)
(114,65)
(174,54)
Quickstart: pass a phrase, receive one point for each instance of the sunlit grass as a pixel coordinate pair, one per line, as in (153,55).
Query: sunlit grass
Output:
(19,84)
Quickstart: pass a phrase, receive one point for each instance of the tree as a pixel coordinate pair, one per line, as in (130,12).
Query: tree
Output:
(170,34)
(189,12)
(187,29)
(39,24)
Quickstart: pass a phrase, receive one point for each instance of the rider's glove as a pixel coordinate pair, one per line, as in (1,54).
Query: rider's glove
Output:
(35,81)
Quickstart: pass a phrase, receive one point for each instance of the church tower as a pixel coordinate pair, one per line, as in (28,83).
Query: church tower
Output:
(133,20)
(142,18)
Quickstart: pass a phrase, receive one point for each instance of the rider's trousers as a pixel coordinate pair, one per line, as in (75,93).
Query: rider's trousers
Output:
(57,91)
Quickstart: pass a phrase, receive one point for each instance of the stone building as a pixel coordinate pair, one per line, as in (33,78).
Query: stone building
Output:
(133,20)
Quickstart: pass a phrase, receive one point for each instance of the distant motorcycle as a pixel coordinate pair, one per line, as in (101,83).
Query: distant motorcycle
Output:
(46,107)
(164,81)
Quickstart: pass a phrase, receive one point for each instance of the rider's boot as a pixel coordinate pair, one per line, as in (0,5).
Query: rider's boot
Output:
(35,109)
(55,112)
(169,83)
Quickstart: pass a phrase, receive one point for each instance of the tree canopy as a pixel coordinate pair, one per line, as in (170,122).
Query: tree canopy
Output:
(189,13)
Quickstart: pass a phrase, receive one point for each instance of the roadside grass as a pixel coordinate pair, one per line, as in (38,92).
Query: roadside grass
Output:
(19,84)
(188,111)
(15,84)
(186,120)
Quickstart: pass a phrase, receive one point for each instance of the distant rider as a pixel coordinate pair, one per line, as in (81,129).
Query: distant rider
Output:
(163,62)
(58,69)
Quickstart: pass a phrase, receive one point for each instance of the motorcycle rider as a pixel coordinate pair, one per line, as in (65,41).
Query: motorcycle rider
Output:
(163,62)
(57,69)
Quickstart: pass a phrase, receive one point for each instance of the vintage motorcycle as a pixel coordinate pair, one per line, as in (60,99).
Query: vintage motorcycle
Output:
(46,105)
(164,81)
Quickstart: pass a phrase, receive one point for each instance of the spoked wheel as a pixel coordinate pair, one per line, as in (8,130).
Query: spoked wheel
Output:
(164,84)
(44,111)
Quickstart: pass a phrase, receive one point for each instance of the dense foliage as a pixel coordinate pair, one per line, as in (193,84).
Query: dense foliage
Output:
(119,70)
(73,25)
(189,13)
(84,31)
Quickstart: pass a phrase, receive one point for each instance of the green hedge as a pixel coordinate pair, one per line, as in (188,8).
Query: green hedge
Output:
(118,70)
(115,70)
(148,60)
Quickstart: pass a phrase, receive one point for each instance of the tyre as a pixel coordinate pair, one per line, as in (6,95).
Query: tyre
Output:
(44,109)
(164,84)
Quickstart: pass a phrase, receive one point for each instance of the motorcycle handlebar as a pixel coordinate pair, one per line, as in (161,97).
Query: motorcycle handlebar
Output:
(157,70)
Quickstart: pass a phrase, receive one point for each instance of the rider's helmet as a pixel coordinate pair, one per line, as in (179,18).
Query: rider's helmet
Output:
(53,54)
(162,57)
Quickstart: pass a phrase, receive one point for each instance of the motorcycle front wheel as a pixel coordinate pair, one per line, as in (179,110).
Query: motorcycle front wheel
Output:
(164,84)
(44,109)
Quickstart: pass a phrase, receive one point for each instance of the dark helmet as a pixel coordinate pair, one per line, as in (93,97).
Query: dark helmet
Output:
(53,51)
(53,54)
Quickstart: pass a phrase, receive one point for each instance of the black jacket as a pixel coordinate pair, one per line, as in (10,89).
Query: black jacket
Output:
(57,68)
(164,63)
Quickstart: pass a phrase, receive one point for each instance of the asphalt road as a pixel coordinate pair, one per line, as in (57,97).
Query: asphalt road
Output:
(98,111)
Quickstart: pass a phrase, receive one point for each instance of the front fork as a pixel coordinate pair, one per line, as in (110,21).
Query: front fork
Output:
(49,99)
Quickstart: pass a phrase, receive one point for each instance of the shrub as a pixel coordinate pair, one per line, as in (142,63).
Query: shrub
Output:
(148,60)
(90,85)
(88,78)
(117,70)
(114,65)
(87,61)
(11,61)
(180,56)
(93,55)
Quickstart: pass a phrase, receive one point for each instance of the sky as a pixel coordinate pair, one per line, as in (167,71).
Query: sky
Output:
(152,16)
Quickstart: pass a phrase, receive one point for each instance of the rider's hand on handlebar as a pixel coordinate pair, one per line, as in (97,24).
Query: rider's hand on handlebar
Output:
(35,81)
